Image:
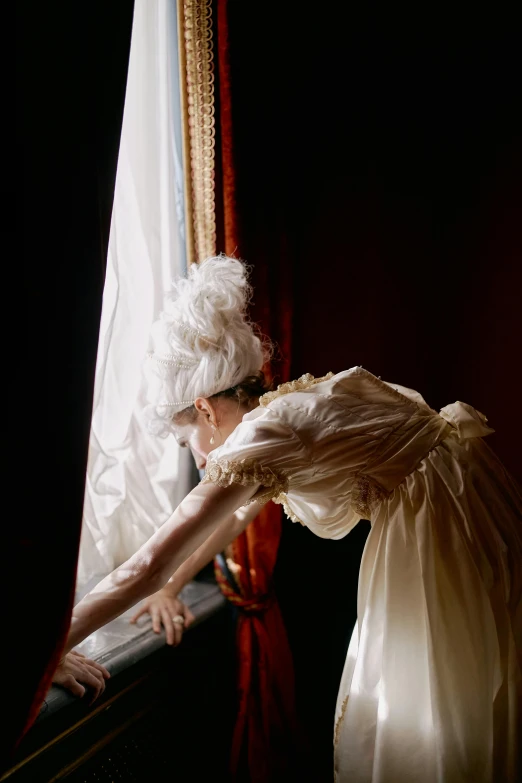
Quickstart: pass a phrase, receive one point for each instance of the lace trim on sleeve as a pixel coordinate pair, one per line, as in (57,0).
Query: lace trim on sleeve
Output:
(301,384)
(366,495)
(283,501)
(226,472)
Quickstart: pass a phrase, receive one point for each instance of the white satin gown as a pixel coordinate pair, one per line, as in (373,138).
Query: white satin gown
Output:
(431,689)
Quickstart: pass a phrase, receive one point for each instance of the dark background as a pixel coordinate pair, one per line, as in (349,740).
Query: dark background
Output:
(380,159)
(379,181)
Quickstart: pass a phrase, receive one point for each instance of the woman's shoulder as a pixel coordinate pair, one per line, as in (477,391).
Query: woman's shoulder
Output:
(308,384)
(304,383)
(356,382)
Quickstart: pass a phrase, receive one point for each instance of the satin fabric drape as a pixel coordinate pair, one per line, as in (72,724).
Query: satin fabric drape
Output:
(134,479)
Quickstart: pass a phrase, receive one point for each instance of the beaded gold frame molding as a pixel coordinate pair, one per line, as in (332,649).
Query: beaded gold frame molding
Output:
(197,105)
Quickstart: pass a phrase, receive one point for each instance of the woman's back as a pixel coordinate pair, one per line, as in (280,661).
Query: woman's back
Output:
(432,672)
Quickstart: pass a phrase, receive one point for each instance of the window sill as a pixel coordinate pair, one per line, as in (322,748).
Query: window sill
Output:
(120,645)
(156,693)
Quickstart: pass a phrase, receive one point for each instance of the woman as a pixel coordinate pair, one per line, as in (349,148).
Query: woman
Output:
(431,686)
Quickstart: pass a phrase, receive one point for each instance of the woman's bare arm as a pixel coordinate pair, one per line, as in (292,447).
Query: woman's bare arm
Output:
(164,606)
(200,514)
(221,538)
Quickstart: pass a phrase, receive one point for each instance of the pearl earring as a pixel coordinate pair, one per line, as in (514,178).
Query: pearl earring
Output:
(212,438)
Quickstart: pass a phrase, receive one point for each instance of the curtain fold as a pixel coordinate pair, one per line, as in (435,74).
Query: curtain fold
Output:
(265,734)
(134,479)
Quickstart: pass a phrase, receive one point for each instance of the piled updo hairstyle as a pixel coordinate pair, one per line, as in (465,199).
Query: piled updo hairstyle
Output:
(203,345)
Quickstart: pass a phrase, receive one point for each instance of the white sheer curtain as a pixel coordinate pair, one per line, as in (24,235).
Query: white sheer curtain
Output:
(134,480)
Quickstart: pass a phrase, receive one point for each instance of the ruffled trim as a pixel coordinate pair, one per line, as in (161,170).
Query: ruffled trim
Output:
(301,384)
(283,501)
(339,721)
(226,472)
(365,495)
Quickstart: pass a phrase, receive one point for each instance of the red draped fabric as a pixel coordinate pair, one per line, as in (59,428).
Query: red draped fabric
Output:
(265,730)
(264,734)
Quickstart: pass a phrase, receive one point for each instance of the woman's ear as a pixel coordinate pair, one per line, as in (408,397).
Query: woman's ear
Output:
(204,406)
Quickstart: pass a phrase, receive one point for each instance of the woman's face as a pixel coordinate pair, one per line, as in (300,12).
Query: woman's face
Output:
(217,419)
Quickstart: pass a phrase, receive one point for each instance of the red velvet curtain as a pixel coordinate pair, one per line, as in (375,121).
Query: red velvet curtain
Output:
(264,742)
(265,735)
(71,81)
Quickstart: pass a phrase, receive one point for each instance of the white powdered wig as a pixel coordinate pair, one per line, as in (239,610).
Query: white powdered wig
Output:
(203,342)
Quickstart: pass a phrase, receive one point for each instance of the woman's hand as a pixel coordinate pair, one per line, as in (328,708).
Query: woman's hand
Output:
(167,610)
(75,669)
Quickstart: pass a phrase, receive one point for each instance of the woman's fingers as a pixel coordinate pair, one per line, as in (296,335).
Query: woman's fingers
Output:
(95,671)
(161,610)
(177,609)
(76,672)
(76,678)
(106,673)
(170,632)
(179,631)
(143,610)
(179,627)
(90,676)
(156,619)
(96,682)
(72,685)
(189,617)
(93,664)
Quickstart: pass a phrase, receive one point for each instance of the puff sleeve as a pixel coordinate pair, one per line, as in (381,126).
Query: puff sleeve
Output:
(262,450)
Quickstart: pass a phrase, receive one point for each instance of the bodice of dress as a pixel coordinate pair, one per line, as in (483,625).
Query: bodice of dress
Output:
(331,449)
